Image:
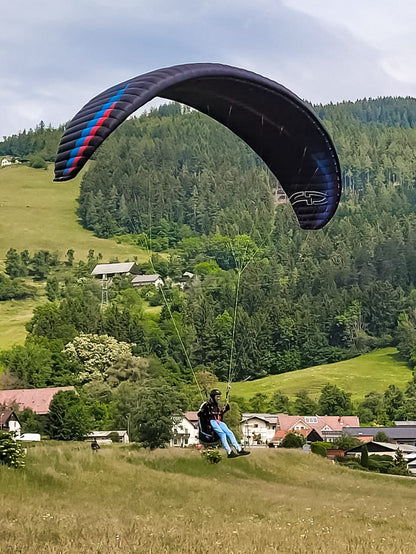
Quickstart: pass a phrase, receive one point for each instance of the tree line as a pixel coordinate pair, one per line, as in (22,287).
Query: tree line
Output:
(280,298)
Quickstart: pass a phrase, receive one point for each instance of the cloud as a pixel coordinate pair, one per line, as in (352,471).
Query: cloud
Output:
(57,55)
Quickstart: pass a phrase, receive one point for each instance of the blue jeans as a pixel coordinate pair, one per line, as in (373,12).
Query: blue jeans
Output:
(224,432)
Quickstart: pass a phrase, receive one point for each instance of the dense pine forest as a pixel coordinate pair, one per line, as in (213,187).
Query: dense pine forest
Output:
(277,297)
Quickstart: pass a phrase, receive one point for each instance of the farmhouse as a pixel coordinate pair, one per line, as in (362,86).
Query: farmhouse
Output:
(38,400)
(185,430)
(108,271)
(143,280)
(9,421)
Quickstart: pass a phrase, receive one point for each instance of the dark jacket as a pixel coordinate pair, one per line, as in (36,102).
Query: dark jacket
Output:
(210,410)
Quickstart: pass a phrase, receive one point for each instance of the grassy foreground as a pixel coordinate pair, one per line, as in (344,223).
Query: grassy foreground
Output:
(366,373)
(69,500)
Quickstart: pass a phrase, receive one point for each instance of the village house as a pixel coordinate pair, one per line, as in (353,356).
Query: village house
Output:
(186,280)
(108,271)
(143,280)
(258,428)
(9,421)
(185,430)
(38,400)
(108,437)
(5,162)
(327,428)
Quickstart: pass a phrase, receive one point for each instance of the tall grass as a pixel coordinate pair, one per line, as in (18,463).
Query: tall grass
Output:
(69,500)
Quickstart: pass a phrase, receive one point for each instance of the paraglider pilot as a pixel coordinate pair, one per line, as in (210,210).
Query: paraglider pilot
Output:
(211,414)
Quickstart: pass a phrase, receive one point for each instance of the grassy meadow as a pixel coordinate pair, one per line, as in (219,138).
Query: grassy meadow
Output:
(39,214)
(369,372)
(13,316)
(69,500)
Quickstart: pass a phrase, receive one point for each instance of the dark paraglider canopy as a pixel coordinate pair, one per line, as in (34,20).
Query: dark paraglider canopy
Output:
(271,119)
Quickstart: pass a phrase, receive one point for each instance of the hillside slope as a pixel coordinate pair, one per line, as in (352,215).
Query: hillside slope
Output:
(366,373)
(36,213)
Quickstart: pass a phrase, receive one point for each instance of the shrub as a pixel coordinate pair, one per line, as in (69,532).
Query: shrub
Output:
(11,451)
(319,449)
(212,456)
(292,440)
(380,466)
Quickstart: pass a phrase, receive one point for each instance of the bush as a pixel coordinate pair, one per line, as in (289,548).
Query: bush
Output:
(11,451)
(380,466)
(396,470)
(292,440)
(212,456)
(319,449)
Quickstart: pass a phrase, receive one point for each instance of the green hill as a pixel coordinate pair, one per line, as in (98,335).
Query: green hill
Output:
(37,213)
(369,372)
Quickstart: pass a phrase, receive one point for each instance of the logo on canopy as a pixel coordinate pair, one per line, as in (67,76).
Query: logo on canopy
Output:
(309,197)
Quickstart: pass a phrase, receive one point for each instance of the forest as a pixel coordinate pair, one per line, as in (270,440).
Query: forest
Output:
(266,297)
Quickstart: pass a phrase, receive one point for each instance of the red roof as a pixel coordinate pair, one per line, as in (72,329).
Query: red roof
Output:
(191,416)
(37,400)
(335,423)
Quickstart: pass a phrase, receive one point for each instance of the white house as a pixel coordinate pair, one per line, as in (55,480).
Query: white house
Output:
(185,430)
(5,162)
(258,428)
(143,280)
(9,421)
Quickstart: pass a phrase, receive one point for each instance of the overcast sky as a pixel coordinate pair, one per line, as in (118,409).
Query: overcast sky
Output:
(57,54)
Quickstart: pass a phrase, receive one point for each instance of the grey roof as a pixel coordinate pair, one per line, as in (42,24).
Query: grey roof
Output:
(396,433)
(145,278)
(386,446)
(112,269)
(270,418)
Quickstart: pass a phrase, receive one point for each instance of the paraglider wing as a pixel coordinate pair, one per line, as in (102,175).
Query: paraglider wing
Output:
(272,120)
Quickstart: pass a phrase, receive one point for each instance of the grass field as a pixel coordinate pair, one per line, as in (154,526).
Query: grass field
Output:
(70,501)
(13,316)
(370,372)
(36,213)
